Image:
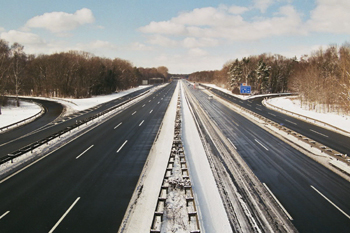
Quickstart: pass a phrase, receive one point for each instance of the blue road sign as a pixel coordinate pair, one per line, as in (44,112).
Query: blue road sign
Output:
(245,89)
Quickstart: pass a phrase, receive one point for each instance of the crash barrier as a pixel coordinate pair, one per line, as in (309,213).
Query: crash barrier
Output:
(27,120)
(78,123)
(313,144)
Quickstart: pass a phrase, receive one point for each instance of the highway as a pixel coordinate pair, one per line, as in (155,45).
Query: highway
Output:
(324,136)
(315,199)
(50,123)
(85,186)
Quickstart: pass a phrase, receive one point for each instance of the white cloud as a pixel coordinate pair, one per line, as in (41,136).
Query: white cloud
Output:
(61,21)
(219,22)
(330,16)
(237,10)
(192,42)
(197,52)
(162,41)
(262,5)
(2,29)
(23,38)
(139,47)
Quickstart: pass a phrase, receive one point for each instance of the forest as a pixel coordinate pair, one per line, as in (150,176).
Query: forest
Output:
(68,74)
(320,79)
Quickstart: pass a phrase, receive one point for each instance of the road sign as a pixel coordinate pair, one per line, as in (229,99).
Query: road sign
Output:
(245,89)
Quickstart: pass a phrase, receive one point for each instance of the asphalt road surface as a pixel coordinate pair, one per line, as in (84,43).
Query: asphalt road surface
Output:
(316,199)
(324,136)
(86,185)
(49,124)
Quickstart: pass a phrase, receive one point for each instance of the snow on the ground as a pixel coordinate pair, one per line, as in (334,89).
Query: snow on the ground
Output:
(212,214)
(12,114)
(339,121)
(74,105)
(293,105)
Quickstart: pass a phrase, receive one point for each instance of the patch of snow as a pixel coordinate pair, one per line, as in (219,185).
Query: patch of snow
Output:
(293,105)
(12,114)
(212,214)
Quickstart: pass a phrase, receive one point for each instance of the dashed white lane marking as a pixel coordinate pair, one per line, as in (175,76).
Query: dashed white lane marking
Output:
(279,203)
(133,113)
(261,144)
(330,202)
(65,214)
(291,122)
(4,214)
(143,105)
(84,152)
(118,125)
(271,114)
(141,123)
(151,111)
(122,146)
(319,133)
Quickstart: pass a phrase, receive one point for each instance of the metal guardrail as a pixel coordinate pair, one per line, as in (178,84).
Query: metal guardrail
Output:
(36,144)
(24,120)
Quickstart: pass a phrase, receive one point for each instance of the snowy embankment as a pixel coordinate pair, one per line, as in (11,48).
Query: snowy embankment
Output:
(341,121)
(12,114)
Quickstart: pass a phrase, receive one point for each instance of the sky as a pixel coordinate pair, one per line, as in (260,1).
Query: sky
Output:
(184,35)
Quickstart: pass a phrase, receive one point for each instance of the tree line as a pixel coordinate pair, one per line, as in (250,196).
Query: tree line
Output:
(74,74)
(320,79)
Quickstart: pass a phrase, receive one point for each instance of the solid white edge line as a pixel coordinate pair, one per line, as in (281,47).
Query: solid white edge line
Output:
(4,214)
(84,152)
(122,146)
(232,144)
(261,144)
(330,202)
(319,133)
(64,215)
(141,123)
(118,125)
(279,203)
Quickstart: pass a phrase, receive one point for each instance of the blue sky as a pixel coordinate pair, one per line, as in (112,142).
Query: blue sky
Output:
(185,36)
